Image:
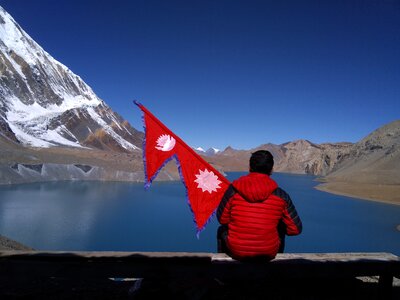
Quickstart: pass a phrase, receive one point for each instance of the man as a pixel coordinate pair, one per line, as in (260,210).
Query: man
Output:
(256,214)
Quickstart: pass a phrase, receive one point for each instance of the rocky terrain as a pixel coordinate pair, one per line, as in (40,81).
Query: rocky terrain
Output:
(375,159)
(301,156)
(371,168)
(8,244)
(44,104)
(368,169)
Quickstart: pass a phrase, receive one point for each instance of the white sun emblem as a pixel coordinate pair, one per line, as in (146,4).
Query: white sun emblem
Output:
(165,143)
(207,181)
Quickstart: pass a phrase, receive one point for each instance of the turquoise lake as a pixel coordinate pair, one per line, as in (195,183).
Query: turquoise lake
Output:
(117,216)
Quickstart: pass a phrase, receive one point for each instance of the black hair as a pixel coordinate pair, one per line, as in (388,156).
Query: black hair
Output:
(261,161)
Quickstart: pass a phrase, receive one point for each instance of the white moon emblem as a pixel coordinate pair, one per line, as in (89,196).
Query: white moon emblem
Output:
(165,143)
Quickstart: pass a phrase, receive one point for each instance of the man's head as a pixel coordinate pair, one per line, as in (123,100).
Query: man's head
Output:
(261,161)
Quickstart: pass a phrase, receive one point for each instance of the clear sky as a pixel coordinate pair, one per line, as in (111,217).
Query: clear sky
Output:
(238,73)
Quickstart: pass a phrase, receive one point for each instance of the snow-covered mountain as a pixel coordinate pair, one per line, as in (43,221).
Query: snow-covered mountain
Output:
(212,151)
(200,150)
(44,104)
(209,152)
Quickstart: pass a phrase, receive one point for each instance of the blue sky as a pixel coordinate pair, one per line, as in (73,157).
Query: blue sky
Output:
(238,73)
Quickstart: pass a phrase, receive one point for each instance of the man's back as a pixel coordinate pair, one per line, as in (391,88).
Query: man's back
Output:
(252,208)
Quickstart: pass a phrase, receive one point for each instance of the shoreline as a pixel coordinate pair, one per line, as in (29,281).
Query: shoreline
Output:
(387,194)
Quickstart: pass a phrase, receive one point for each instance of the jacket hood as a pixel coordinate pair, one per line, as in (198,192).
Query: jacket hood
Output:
(255,187)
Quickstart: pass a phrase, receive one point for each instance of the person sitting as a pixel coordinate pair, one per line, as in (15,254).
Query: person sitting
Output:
(255,214)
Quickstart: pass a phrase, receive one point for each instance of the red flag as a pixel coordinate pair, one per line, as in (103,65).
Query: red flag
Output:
(205,186)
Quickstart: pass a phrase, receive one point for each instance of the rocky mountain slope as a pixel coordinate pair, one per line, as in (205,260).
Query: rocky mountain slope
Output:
(301,156)
(374,159)
(52,125)
(44,104)
(209,152)
(371,168)
(368,169)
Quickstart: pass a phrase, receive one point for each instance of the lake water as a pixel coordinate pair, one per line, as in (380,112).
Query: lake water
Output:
(123,217)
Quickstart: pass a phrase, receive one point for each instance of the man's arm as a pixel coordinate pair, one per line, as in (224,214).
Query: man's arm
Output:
(223,211)
(290,216)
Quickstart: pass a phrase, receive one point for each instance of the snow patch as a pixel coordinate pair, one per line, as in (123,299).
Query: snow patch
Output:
(29,139)
(55,137)
(30,122)
(21,112)
(95,116)
(213,150)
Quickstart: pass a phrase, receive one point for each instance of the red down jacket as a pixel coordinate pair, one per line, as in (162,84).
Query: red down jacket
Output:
(252,207)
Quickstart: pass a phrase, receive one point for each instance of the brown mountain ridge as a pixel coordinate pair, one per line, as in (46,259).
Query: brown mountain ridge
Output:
(371,168)
(367,169)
